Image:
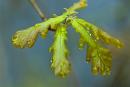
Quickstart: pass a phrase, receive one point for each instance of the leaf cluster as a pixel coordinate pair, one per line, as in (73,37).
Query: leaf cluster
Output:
(97,55)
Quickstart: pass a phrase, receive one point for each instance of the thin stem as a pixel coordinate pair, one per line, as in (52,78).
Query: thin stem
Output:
(37,9)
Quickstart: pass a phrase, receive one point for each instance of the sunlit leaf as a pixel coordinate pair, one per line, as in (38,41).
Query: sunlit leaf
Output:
(110,40)
(84,33)
(60,63)
(99,57)
(25,38)
(99,34)
(101,61)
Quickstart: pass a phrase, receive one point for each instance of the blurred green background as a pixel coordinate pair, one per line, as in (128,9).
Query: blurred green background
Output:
(31,67)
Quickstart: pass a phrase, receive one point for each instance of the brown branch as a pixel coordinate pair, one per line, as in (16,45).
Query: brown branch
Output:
(37,9)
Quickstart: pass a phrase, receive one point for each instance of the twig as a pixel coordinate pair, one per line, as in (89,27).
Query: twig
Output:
(37,9)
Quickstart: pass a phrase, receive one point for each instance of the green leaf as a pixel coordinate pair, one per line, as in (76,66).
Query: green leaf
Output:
(60,63)
(99,34)
(99,57)
(109,39)
(84,33)
(101,60)
(25,38)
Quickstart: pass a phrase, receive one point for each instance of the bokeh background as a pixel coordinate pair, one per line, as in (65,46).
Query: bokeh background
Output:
(31,67)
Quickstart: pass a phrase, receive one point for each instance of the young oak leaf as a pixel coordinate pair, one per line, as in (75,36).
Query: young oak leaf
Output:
(101,60)
(109,39)
(99,34)
(85,34)
(60,63)
(99,57)
(25,38)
